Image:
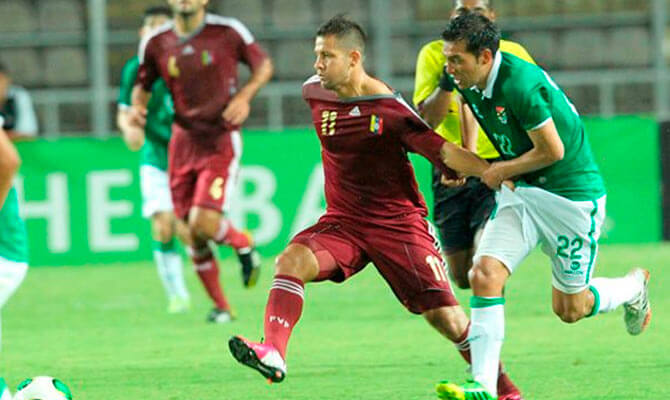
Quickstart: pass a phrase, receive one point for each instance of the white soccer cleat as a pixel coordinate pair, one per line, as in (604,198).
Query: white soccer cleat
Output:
(637,312)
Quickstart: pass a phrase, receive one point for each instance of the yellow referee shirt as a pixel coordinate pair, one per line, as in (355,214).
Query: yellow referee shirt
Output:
(429,67)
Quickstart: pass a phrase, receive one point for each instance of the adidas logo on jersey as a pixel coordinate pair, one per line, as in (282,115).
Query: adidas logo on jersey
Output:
(188,50)
(355,112)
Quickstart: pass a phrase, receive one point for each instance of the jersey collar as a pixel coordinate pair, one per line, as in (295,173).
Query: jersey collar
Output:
(493,75)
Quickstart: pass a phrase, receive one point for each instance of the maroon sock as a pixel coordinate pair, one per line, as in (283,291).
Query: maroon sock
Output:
(208,272)
(230,236)
(505,384)
(463,345)
(283,310)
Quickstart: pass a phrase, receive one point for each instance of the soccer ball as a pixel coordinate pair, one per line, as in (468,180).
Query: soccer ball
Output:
(42,388)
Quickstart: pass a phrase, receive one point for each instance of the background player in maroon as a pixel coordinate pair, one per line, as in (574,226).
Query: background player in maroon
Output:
(197,56)
(375,212)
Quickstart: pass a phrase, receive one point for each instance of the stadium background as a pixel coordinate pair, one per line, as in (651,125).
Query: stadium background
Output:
(79,195)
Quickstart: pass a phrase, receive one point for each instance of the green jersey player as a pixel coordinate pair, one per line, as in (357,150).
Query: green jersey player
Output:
(557,199)
(152,142)
(13,239)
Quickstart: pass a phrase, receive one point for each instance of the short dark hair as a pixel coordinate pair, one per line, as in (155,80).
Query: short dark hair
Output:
(342,27)
(3,68)
(476,30)
(156,11)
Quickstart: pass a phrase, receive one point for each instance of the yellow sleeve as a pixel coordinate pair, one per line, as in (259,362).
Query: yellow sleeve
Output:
(517,50)
(429,65)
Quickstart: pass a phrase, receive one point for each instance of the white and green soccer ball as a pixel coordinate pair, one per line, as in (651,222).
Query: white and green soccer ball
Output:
(42,388)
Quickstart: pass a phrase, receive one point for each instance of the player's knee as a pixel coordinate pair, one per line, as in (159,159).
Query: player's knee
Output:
(293,262)
(460,278)
(162,229)
(487,276)
(568,313)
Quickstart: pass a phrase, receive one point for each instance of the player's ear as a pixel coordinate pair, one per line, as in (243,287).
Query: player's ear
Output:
(486,56)
(355,56)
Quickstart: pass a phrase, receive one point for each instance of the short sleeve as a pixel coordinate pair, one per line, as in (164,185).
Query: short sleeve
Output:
(128,77)
(26,120)
(251,53)
(429,66)
(148,71)
(532,107)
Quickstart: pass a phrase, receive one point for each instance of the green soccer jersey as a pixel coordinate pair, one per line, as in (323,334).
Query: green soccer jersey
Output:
(13,239)
(520,97)
(160,113)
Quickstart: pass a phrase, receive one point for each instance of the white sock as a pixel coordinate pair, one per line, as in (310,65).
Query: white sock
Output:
(487,332)
(5,394)
(613,292)
(174,265)
(164,273)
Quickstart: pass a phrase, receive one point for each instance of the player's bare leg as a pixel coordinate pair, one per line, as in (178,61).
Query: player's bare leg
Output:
(607,294)
(453,324)
(168,261)
(460,263)
(487,278)
(295,266)
(213,225)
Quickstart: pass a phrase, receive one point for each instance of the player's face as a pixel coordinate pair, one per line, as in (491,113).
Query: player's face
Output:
(151,23)
(187,7)
(467,69)
(333,62)
(477,6)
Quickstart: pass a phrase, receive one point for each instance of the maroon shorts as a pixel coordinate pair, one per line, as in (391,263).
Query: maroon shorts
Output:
(407,255)
(202,170)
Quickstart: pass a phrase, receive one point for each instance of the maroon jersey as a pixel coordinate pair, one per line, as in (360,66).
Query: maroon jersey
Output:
(364,143)
(200,70)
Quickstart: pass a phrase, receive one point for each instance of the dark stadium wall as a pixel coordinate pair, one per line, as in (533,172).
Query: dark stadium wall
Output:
(81,200)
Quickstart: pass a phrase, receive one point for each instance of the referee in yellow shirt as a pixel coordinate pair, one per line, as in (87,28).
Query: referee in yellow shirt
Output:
(460,210)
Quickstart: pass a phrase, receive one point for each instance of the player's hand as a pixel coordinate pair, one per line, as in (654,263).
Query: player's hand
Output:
(137,117)
(450,182)
(237,111)
(134,138)
(509,184)
(493,177)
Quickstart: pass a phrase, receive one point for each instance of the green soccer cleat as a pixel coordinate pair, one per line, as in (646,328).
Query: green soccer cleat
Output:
(470,390)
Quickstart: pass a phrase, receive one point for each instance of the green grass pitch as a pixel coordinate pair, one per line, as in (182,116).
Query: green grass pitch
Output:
(104,331)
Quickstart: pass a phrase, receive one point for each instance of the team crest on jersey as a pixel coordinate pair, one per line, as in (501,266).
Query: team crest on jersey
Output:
(206,58)
(376,124)
(173,69)
(502,114)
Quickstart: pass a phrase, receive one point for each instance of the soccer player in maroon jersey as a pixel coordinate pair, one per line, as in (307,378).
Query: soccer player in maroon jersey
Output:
(197,56)
(375,212)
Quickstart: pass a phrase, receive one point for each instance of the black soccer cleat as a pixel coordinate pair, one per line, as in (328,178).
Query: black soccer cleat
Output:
(262,357)
(250,262)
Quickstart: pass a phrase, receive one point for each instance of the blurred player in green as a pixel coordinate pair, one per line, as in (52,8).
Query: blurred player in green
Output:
(13,239)
(460,209)
(152,141)
(557,199)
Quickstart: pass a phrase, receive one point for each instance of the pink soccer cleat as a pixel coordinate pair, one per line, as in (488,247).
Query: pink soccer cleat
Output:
(264,358)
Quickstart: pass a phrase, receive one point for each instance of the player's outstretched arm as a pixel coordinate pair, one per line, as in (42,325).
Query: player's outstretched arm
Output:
(238,108)
(547,149)
(9,164)
(462,160)
(469,126)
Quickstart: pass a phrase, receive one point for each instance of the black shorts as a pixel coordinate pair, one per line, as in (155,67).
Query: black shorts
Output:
(460,211)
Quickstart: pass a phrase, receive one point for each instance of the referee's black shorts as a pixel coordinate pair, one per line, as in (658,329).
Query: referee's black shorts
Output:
(459,212)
